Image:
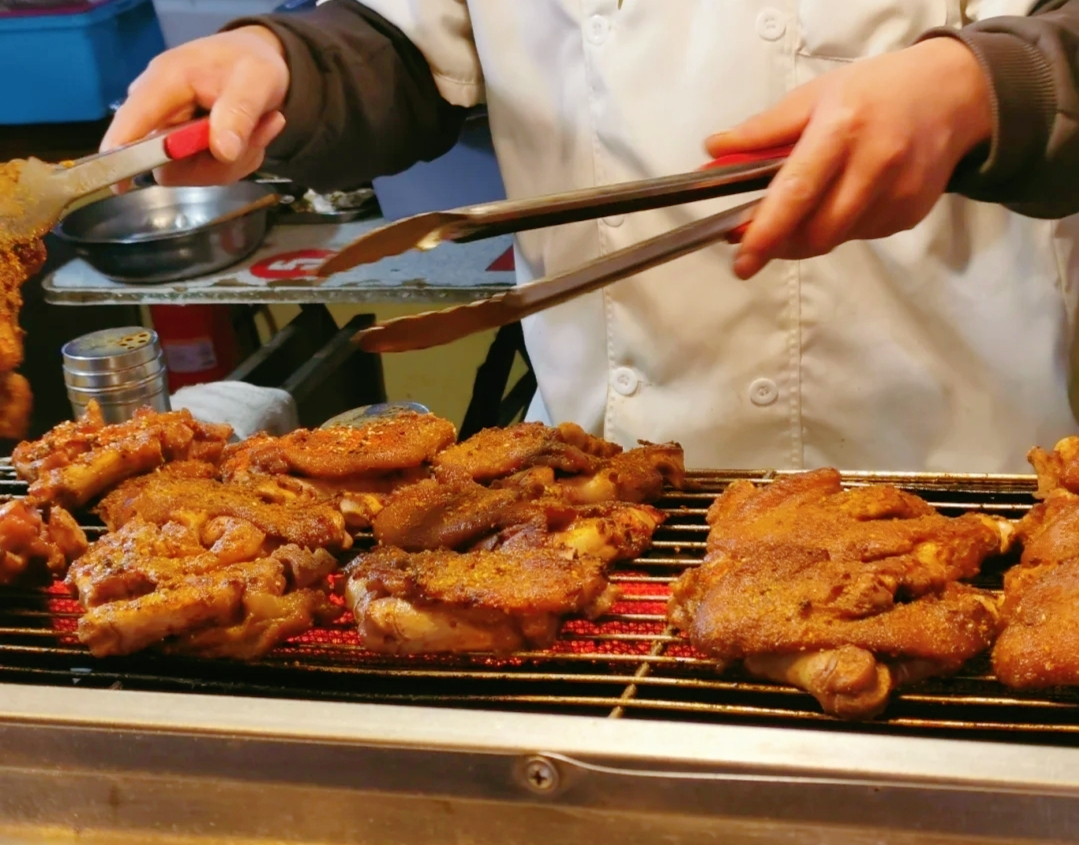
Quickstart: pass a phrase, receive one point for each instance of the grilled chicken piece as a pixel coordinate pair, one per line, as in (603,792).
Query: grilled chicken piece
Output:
(479,601)
(404,442)
(31,543)
(162,586)
(499,452)
(77,461)
(358,500)
(282,512)
(454,512)
(1058,470)
(18,262)
(638,475)
(847,594)
(268,619)
(16,404)
(356,506)
(355,468)
(448,512)
(129,562)
(610,531)
(21,256)
(1039,646)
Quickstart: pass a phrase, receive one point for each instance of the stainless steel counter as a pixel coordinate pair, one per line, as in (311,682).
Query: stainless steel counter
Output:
(278,273)
(113,766)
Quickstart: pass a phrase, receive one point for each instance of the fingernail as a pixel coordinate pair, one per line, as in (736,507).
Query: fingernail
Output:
(718,138)
(230,146)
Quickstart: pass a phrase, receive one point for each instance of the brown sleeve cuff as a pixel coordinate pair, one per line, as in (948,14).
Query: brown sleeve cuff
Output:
(1023,103)
(362,102)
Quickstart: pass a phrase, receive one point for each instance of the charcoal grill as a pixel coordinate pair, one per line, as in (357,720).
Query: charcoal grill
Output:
(620,729)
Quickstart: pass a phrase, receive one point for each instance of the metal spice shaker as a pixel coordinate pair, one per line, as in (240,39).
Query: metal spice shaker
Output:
(123,369)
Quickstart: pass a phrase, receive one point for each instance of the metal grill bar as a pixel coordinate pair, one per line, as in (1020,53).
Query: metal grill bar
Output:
(629,664)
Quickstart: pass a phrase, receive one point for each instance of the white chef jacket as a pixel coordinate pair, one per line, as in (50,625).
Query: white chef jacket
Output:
(945,348)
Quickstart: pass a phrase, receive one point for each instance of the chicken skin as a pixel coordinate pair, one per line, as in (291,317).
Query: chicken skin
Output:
(18,262)
(77,461)
(484,601)
(214,592)
(448,512)
(1039,646)
(499,452)
(179,494)
(609,531)
(355,468)
(452,511)
(21,256)
(16,403)
(845,593)
(568,462)
(639,475)
(405,442)
(35,544)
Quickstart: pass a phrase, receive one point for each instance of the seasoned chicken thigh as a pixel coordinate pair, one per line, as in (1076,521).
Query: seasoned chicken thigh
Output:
(1039,646)
(846,593)
(444,601)
(218,592)
(37,544)
(77,461)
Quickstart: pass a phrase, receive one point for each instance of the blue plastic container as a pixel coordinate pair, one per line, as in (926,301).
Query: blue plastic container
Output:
(68,68)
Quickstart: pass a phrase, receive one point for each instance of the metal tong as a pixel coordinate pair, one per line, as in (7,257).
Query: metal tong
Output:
(44,191)
(741,173)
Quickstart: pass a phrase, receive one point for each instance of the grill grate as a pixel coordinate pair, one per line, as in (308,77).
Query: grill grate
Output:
(629,664)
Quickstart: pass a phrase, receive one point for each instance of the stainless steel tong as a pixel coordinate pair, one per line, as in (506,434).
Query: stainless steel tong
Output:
(43,191)
(730,175)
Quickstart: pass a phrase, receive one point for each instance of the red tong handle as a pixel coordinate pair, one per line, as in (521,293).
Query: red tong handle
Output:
(750,157)
(735,235)
(188,141)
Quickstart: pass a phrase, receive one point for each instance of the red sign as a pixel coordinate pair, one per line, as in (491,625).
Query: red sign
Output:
(291,265)
(504,263)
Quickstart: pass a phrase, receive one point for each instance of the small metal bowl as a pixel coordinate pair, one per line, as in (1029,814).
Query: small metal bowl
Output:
(156,235)
(365,415)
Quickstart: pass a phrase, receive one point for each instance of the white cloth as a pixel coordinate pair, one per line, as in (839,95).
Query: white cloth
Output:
(943,348)
(247,408)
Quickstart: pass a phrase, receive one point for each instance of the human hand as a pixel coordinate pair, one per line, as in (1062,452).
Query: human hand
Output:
(877,143)
(241,77)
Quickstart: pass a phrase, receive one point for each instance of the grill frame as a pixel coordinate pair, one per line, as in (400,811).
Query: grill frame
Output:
(118,765)
(644,673)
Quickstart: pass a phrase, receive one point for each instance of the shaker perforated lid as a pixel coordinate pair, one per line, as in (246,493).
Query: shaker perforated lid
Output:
(110,350)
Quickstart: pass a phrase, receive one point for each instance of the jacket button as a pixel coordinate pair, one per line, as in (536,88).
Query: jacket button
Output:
(763,392)
(615,220)
(597,29)
(625,382)
(771,25)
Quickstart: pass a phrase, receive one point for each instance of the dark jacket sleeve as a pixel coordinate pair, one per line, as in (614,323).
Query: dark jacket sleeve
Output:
(1032,163)
(362,101)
